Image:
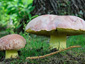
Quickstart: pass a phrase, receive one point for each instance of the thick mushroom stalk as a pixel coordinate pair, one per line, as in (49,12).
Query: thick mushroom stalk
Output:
(11,54)
(58,41)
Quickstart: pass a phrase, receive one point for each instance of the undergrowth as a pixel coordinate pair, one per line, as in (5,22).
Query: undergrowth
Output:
(39,45)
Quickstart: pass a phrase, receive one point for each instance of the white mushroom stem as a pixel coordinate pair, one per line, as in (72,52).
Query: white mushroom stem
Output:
(11,54)
(58,41)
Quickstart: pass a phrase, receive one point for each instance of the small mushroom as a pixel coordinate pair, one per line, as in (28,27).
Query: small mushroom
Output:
(57,28)
(12,43)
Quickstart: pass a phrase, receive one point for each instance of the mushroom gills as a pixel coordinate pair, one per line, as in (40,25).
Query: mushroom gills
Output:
(11,54)
(58,41)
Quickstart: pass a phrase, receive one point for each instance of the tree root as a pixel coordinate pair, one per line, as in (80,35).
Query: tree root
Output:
(37,57)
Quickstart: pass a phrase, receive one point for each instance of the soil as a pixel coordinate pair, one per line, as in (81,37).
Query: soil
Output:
(67,57)
(63,58)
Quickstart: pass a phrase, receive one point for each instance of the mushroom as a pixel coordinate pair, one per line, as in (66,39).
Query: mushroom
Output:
(57,28)
(12,43)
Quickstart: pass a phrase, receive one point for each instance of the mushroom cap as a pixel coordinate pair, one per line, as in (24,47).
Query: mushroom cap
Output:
(50,24)
(12,42)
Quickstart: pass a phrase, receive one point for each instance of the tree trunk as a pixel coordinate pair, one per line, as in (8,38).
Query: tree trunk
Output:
(60,7)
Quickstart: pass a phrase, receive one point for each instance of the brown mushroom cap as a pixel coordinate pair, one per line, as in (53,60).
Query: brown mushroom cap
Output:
(12,42)
(50,24)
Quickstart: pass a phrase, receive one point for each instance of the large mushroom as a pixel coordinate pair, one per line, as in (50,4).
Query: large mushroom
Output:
(12,43)
(57,27)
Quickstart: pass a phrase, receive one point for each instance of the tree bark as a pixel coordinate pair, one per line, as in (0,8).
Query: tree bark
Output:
(60,7)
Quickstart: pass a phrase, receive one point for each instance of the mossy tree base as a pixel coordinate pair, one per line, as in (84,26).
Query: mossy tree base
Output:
(58,41)
(11,54)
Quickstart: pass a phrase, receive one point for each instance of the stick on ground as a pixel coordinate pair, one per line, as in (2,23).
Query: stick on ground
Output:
(37,57)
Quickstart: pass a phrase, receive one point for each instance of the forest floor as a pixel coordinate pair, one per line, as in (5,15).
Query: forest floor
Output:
(68,57)
(35,47)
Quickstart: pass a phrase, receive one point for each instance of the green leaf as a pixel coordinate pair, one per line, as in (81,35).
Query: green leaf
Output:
(29,16)
(30,1)
(27,2)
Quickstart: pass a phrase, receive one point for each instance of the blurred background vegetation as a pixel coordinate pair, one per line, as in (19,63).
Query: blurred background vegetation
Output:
(14,16)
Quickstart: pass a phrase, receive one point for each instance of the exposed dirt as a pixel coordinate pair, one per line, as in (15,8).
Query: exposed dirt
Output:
(67,57)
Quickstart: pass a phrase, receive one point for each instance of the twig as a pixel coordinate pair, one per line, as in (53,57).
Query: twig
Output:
(37,57)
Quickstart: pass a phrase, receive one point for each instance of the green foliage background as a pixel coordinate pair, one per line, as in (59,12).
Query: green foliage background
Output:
(15,13)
